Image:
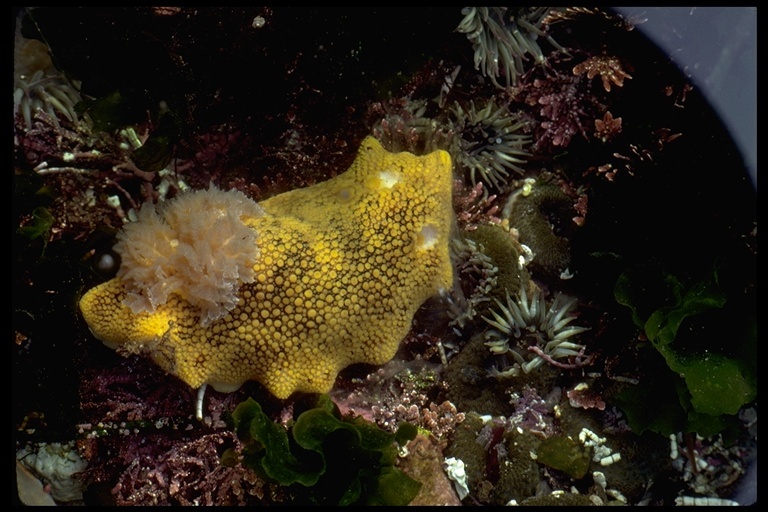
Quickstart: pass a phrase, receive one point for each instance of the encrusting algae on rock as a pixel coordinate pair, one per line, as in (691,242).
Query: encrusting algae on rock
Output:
(333,276)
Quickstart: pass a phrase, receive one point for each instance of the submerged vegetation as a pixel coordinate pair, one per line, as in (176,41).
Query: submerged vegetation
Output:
(713,382)
(340,461)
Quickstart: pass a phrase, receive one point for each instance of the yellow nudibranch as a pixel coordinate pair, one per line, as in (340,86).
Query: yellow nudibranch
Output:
(218,290)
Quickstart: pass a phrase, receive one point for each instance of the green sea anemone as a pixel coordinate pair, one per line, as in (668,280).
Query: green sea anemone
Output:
(543,214)
(489,141)
(405,126)
(38,85)
(503,38)
(533,332)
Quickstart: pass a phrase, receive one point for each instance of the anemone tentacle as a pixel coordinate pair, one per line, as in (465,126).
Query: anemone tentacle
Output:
(532,332)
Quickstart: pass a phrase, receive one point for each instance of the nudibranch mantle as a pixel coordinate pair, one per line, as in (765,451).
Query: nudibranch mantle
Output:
(340,270)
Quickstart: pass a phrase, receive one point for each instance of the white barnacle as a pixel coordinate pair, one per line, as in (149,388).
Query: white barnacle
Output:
(610,459)
(129,134)
(617,495)
(701,501)
(599,478)
(602,453)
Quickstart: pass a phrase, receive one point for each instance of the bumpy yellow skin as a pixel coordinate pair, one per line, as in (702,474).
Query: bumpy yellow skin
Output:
(343,267)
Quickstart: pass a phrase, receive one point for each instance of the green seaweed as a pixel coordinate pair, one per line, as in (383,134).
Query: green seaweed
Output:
(108,113)
(340,461)
(710,381)
(157,151)
(566,454)
(40,225)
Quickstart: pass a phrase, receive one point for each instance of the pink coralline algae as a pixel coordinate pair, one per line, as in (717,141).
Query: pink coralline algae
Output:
(400,392)
(608,127)
(565,106)
(474,206)
(532,412)
(607,67)
(118,395)
(142,439)
(585,397)
(189,473)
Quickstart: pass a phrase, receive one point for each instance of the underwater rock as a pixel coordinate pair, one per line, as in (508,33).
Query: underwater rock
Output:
(424,463)
(58,464)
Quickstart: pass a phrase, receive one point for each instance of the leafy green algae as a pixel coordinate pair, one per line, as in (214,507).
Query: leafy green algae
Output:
(340,461)
(566,454)
(716,381)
